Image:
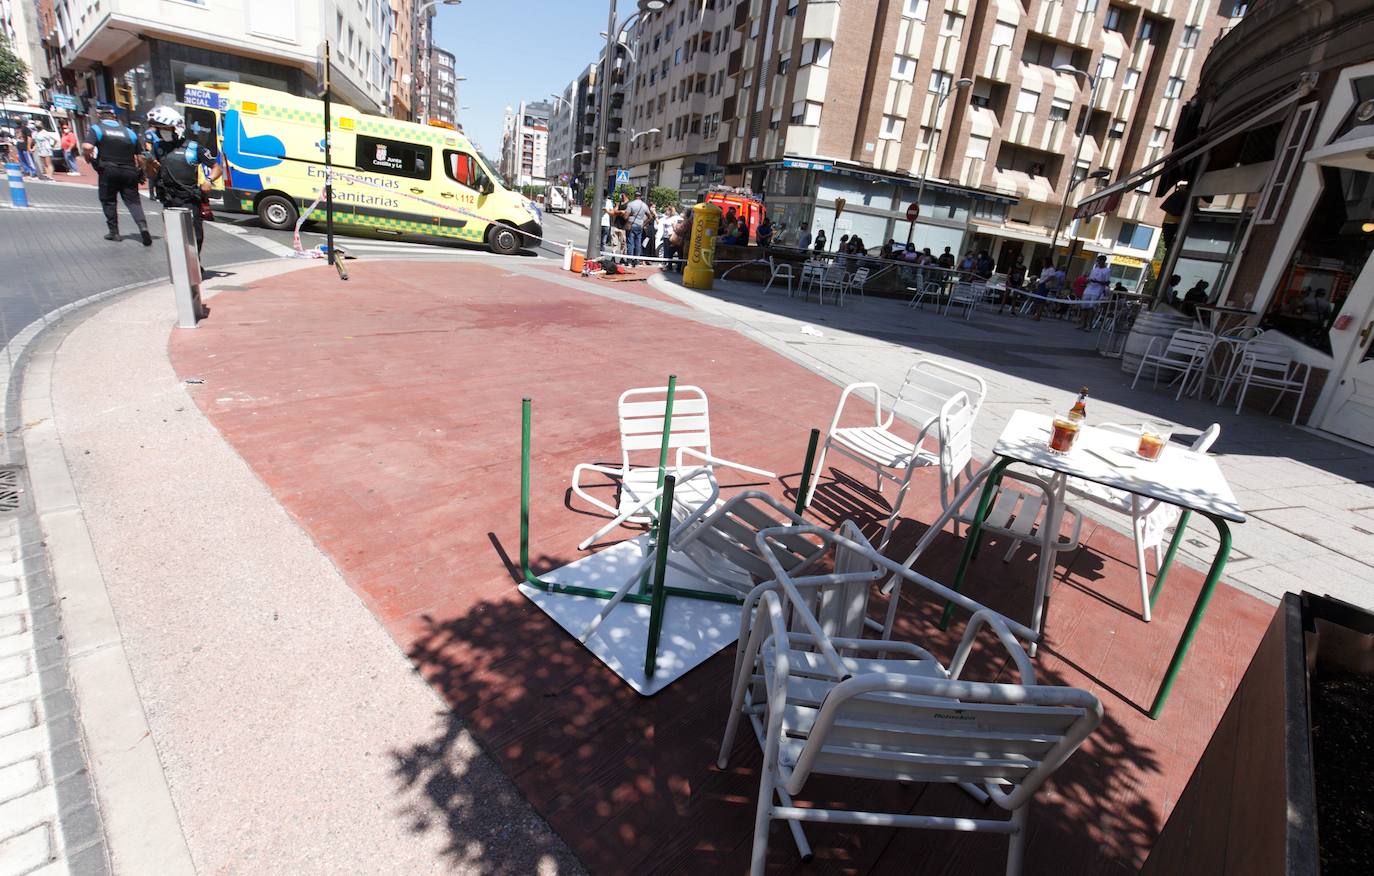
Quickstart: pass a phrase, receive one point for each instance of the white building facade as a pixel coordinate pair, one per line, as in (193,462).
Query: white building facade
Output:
(137,53)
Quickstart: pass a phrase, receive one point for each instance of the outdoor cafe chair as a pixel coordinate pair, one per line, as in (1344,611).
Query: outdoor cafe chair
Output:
(928,290)
(1221,365)
(967,295)
(812,274)
(1150,518)
(716,545)
(1019,513)
(833,280)
(880,447)
(777,272)
(878,710)
(1270,366)
(641,413)
(854,283)
(1185,352)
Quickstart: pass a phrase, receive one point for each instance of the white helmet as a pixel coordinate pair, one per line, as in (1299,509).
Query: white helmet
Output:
(166,117)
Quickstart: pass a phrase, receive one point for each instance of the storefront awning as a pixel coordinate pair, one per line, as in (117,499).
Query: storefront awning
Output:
(1109,198)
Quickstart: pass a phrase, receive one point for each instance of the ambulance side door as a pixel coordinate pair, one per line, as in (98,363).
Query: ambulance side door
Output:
(409,167)
(467,185)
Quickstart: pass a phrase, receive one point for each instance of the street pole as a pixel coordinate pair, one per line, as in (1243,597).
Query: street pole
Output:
(328,163)
(1077,155)
(602,131)
(934,139)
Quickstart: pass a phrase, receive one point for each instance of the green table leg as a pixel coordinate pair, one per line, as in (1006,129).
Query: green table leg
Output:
(658,593)
(974,532)
(1169,556)
(1199,609)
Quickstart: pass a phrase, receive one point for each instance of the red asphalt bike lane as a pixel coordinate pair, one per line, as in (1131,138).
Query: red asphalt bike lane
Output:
(384,414)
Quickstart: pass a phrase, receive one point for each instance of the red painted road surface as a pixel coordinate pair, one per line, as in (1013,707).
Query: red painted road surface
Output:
(384,414)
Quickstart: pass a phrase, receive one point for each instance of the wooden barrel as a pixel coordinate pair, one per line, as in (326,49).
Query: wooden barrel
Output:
(1161,323)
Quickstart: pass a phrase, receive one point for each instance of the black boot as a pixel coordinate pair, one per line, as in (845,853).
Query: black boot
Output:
(145,236)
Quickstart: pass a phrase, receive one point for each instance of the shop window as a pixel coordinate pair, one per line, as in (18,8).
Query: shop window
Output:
(1332,251)
(1135,236)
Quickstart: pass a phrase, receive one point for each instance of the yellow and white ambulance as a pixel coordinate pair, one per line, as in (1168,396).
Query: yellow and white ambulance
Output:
(390,176)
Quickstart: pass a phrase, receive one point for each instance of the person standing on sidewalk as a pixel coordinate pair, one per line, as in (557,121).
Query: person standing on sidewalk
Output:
(176,165)
(113,150)
(636,222)
(44,145)
(618,226)
(23,141)
(1096,289)
(69,150)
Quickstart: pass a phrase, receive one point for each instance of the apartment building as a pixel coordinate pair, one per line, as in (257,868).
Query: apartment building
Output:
(443,87)
(403,56)
(677,89)
(524,143)
(19,22)
(136,53)
(855,99)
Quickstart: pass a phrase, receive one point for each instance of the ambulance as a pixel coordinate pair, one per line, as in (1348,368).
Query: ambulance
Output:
(389,176)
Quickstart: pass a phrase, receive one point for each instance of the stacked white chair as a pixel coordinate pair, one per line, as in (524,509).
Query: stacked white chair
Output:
(823,701)
(1185,353)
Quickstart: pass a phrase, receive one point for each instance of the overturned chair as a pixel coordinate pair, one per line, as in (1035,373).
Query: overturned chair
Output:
(823,700)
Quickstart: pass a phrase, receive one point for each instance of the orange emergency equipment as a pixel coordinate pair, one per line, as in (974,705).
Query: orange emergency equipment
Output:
(745,205)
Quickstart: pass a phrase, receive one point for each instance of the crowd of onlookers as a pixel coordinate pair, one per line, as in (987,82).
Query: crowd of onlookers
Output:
(33,147)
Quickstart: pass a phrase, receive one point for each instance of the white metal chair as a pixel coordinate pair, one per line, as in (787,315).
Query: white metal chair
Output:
(777,272)
(928,291)
(1270,366)
(1221,364)
(1021,515)
(716,545)
(925,389)
(812,275)
(855,282)
(1186,353)
(878,710)
(966,295)
(641,413)
(833,280)
(1150,518)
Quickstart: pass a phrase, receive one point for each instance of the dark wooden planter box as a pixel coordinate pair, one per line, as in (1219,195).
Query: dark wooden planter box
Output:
(1251,806)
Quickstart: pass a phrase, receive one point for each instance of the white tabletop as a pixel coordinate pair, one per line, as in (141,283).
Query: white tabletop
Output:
(1180,476)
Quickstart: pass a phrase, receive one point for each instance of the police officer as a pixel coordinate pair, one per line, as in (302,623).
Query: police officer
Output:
(176,163)
(113,150)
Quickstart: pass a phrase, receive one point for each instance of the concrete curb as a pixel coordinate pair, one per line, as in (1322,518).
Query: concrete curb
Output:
(121,809)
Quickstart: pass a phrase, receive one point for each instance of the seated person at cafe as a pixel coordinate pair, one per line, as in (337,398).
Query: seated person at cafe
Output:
(1193,297)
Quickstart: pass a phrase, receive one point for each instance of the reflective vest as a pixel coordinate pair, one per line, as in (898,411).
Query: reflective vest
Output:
(117,144)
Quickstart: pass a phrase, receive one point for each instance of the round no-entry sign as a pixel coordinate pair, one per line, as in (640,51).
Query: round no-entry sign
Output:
(913,211)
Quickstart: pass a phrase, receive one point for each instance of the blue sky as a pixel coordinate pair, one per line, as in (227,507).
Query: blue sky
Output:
(513,50)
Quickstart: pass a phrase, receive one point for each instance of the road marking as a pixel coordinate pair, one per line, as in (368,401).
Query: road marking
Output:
(260,242)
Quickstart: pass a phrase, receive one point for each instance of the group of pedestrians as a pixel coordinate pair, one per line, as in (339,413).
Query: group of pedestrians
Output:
(164,155)
(633,228)
(32,146)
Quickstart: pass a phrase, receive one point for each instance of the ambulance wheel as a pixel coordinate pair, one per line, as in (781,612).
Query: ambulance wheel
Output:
(504,240)
(277,213)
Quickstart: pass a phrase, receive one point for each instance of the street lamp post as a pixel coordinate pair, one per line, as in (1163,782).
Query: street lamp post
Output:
(1093,83)
(603,120)
(960,85)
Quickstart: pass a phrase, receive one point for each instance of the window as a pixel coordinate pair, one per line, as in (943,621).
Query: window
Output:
(463,169)
(806,112)
(1059,110)
(1129,81)
(1027,101)
(1173,88)
(981,100)
(776,120)
(1003,33)
(952,25)
(1147,29)
(1107,69)
(939,81)
(916,9)
(816,52)
(1112,20)
(892,128)
(1239,8)
(1190,36)
(1286,165)
(1117,131)
(783,64)
(903,68)
(392,157)
(977,146)
(677,57)
(1157,137)
(1135,236)
(792,8)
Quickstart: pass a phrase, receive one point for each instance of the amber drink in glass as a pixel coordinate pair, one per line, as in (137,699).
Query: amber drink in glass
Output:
(1063,434)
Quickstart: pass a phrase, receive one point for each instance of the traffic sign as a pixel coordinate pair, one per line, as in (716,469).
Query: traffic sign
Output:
(65,101)
(622,178)
(913,211)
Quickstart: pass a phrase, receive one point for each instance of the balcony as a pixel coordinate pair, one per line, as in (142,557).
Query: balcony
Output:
(736,62)
(741,15)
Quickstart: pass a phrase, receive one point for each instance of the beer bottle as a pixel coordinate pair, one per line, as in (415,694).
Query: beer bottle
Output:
(1079,411)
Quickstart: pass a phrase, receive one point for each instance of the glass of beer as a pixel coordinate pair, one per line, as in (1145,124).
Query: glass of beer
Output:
(1153,438)
(1063,434)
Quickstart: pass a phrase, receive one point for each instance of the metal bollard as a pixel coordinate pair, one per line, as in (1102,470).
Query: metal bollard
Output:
(183,262)
(14,174)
